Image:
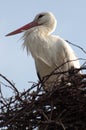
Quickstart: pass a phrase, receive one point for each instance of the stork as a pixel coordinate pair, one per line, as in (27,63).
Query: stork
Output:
(49,51)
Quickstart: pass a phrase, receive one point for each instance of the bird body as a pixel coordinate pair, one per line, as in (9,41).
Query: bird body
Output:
(49,51)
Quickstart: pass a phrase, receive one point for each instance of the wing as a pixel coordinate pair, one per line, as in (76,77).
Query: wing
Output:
(66,55)
(38,76)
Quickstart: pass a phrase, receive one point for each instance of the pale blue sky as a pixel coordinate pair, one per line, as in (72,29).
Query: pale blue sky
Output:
(14,62)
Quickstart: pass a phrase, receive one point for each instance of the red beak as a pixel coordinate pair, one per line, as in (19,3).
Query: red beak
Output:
(25,27)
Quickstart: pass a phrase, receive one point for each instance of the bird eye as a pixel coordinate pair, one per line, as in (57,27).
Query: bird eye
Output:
(41,15)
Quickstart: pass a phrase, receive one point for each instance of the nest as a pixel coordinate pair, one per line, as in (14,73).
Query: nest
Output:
(63,108)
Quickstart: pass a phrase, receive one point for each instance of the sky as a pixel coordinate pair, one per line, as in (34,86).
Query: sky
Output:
(14,62)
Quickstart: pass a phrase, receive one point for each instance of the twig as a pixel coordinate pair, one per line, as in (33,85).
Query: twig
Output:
(76,46)
(9,83)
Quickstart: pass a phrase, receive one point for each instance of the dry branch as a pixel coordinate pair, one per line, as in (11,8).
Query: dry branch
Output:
(63,108)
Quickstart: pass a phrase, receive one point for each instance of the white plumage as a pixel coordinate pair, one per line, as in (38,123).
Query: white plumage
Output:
(49,51)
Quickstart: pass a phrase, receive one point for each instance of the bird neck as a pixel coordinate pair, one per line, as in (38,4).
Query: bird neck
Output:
(35,40)
(44,31)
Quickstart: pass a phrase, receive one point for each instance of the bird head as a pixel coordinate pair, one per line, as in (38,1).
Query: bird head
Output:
(45,19)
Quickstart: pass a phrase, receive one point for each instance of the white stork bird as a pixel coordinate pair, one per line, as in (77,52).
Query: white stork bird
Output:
(49,51)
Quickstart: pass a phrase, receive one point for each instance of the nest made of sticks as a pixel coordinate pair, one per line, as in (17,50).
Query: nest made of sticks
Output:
(63,108)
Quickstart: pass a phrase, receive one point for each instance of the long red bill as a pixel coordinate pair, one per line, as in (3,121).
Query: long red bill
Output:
(25,27)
